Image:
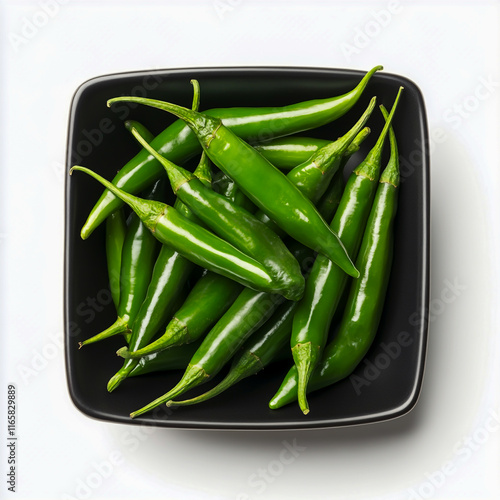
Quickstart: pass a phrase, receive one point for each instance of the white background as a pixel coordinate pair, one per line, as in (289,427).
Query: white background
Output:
(449,446)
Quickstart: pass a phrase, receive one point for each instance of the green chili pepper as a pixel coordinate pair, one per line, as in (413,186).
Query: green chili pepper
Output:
(178,143)
(326,282)
(191,322)
(165,290)
(252,309)
(139,253)
(206,303)
(286,153)
(257,352)
(327,205)
(249,312)
(191,240)
(267,343)
(115,232)
(366,295)
(116,229)
(173,359)
(281,200)
(237,226)
(313,176)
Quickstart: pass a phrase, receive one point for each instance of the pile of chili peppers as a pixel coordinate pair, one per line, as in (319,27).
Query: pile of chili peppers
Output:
(270,235)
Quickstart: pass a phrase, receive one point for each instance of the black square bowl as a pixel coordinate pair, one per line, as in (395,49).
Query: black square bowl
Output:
(385,385)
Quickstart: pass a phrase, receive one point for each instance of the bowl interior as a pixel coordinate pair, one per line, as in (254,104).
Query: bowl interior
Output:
(385,384)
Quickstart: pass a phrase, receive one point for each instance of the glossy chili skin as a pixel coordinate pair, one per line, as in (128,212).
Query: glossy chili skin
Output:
(166,287)
(280,199)
(247,313)
(238,227)
(190,323)
(326,282)
(172,359)
(250,310)
(139,253)
(116,228)
(178,143)
(323,164)
(286,153)
(366,297)
(165,292)
(191,240)
(207,302)
(263,347)
(329,202)
(267,343)
(313,176)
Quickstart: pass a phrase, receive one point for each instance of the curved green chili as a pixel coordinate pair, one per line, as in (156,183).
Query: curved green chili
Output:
(326,282)
(237,226)
(206,303)
(257,352)
(190,322)
(139,253)
(281,200)
(252,309)
(178,143)
(191,240)
(267,343)
(366,295)
(313,177)
(165,290)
